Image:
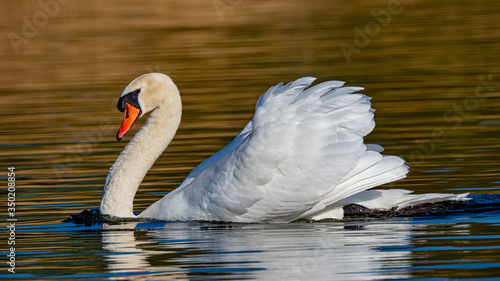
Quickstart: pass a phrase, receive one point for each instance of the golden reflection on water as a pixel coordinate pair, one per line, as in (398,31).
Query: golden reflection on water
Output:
(423,69)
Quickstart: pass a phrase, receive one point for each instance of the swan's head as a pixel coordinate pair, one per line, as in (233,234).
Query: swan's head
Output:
(141,96)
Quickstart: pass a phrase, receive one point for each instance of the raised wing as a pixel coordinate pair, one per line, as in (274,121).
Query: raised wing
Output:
(299,145)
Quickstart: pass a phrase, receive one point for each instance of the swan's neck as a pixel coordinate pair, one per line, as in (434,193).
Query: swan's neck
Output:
(137,157)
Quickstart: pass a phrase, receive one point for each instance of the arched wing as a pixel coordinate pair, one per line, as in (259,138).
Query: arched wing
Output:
(299,145)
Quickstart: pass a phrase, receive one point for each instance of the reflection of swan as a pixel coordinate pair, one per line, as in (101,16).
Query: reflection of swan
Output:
(122,241)
(295,251)
(127,255)
(299,156)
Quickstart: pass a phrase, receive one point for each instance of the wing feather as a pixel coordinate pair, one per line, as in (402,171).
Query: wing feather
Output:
(300,144)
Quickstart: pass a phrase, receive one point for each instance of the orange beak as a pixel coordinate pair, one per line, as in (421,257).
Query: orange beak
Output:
(130,114)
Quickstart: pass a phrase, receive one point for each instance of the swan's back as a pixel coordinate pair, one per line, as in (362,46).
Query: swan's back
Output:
(301,154)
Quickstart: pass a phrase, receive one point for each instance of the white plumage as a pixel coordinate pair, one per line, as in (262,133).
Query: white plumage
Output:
(301,156)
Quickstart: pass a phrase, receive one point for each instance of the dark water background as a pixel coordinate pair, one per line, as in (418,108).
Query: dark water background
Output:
(430,66)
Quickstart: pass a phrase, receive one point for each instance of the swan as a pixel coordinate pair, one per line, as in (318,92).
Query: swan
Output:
(301,156)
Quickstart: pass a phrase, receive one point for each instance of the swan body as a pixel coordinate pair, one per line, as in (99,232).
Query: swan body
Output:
(301,156)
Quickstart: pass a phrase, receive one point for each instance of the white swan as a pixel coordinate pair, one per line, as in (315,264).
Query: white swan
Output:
(301,156)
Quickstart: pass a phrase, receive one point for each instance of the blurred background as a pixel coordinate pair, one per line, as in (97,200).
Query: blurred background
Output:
(430,66)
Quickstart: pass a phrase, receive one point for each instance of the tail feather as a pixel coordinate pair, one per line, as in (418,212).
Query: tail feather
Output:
(372,170)
(368,174)
(398,198)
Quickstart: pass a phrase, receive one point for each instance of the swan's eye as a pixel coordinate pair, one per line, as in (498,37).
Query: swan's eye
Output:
(136,92)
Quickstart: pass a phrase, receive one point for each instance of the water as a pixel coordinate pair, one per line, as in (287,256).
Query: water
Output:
(431,68)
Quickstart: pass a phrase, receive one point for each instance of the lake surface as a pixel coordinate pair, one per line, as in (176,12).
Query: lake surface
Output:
(431,67)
